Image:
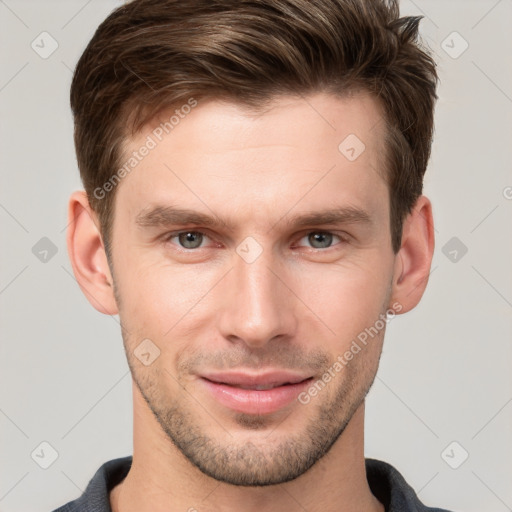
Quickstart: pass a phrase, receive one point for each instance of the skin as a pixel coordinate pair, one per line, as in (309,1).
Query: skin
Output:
(297,306)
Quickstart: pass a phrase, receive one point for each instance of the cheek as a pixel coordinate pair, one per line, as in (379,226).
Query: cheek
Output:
(156,296)
(170,301)
(346,298)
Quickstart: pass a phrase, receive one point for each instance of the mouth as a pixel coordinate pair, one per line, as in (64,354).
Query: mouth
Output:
(257,387)
(262,393)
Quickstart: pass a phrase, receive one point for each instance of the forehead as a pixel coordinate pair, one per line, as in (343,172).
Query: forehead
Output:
(304,151)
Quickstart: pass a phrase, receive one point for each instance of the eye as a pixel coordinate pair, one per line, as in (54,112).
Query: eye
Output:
(188,239)
(322,239)
(191,240)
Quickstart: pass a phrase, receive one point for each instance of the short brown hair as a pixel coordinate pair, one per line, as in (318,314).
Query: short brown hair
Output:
(152,55)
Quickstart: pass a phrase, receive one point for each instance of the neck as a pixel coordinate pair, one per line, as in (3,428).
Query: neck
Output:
(161,479)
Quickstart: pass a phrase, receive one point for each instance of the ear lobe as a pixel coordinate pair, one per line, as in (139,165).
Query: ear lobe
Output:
(87,254)
(414,259)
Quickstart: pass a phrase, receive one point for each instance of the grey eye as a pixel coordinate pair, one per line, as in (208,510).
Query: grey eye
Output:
(320,240)
(190,239)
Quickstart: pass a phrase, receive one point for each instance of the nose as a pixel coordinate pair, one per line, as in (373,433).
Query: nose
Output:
(258,305)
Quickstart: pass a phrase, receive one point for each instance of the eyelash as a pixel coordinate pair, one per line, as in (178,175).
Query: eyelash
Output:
(169,236)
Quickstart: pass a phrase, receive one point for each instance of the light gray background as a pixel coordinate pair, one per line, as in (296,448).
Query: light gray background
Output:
(445,372)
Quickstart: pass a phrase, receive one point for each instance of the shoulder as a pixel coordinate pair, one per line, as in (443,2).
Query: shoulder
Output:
(96,496)
(391,489)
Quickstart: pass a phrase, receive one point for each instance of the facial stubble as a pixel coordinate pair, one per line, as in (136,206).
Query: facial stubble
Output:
(279,456)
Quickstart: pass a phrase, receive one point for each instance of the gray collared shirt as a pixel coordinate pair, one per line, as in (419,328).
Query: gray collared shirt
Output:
(385,482)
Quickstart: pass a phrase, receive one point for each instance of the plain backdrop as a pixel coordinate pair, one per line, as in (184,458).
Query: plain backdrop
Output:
(440,409)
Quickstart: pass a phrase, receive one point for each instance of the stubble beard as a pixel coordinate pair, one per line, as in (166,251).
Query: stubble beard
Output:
(273,461)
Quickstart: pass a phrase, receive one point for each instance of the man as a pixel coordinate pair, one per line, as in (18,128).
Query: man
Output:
(253,211)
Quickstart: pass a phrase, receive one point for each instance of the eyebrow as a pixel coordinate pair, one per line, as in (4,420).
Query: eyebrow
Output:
(162,216)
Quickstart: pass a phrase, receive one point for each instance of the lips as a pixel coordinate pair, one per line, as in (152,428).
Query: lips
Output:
(260,387)
(261,393)
(246,380)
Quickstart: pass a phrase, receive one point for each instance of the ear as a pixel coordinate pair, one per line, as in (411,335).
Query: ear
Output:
(87,254)
(413,260)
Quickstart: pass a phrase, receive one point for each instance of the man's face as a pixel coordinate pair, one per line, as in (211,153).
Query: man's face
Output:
(249,312)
